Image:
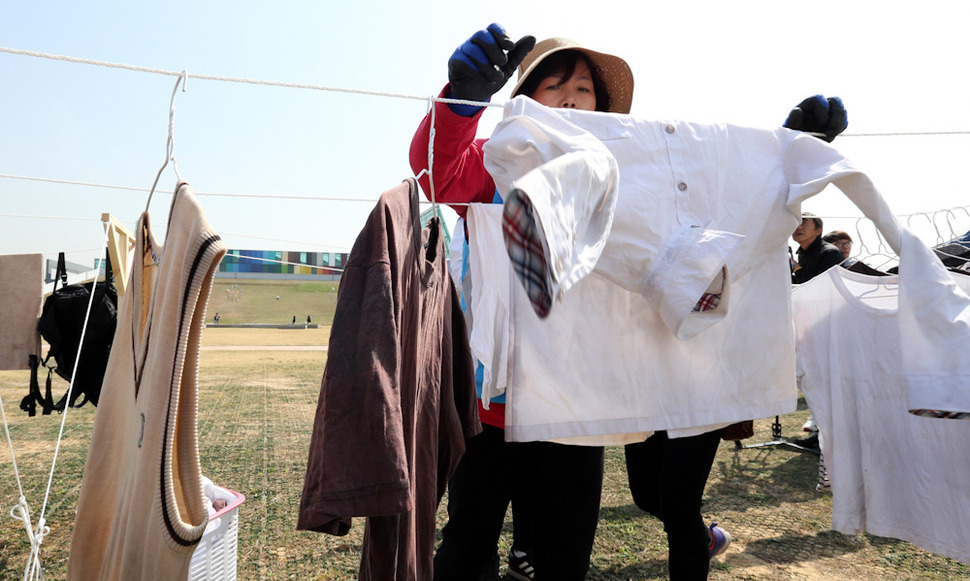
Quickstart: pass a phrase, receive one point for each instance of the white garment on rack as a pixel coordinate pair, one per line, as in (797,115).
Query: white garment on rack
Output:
(490,340)
(893,474)
(934,319)
(623,352)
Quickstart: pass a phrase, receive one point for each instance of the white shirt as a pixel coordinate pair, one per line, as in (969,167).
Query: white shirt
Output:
(621,353)
(489,336)
(693,198)
(893,474)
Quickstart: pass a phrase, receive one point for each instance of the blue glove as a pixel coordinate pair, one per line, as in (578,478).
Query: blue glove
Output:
(817,114)
(482,65)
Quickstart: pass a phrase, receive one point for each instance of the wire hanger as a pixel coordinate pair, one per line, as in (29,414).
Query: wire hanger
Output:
(170,142)
(880,291)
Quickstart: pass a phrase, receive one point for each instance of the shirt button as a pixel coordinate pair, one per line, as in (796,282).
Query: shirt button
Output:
(682,186)
(669,129)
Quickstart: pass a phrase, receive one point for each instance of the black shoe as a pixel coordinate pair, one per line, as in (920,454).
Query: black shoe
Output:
(810,442)
(519,566)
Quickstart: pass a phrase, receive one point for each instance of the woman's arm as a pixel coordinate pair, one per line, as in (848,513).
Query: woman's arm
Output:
(459,172)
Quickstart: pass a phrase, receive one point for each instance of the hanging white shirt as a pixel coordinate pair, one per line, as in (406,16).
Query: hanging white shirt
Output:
(893,474)
(489,336)
(622,353)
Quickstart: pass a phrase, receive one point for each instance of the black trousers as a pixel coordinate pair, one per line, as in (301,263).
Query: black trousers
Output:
(667,478)
(561,486)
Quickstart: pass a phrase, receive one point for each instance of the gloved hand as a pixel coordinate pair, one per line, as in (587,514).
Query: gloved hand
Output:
(819,115)
(481,66)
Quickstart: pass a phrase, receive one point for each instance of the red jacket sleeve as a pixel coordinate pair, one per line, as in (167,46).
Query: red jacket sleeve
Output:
(459,170)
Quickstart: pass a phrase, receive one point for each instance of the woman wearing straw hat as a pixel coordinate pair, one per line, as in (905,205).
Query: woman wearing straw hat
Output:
(556,487)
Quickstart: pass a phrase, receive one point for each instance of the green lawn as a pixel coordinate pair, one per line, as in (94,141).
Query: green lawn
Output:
(242,301)
(256,413)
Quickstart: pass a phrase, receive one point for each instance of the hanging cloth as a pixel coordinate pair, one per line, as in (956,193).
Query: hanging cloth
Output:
(121,243)
(21,286)
(397,399)
(141,510)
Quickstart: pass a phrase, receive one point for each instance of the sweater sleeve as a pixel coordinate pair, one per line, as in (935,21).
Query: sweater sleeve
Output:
(459,170)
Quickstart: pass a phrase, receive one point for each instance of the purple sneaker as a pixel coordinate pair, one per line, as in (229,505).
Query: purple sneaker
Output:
(720,540)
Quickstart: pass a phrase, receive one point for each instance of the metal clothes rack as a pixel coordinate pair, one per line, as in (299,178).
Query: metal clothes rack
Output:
(777,440)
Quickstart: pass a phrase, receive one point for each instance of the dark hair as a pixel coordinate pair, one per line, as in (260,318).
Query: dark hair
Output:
(563,63)
(836,235)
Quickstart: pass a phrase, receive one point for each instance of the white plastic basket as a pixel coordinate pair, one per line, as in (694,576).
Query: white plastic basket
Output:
(214,558)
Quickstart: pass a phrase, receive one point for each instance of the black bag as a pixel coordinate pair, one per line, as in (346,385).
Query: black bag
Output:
(61,322)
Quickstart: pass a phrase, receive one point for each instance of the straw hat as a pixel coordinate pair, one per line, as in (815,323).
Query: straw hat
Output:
(614,71)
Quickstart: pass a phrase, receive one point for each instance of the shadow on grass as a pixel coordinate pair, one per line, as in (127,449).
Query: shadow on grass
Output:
(807,547)
(761,477)
(621,513)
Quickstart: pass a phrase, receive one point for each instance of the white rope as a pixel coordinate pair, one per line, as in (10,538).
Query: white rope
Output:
(315,87)
(903,134)
(70,389)
(240,79)
(40,217)
(211,194)
(431,136)
(13,458)
(333,247)
(21,511)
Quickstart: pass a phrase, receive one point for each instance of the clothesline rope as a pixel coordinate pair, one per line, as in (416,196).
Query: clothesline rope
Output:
(316,87)
(329,247)
(245,80)
(21,511)
(197,193)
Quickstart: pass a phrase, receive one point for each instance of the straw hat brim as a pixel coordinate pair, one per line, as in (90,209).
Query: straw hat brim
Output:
(613,70)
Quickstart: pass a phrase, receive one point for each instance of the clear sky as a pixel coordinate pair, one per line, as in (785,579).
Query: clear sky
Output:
(745,62)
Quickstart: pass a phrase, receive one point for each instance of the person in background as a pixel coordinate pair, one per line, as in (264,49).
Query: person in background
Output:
(841,240)
(815,256)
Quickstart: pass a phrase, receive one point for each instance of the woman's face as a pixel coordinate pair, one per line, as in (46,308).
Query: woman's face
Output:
(575,93)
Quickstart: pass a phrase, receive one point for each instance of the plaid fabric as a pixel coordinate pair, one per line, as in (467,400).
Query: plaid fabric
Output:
(522,240)
(941,414)
(708,302)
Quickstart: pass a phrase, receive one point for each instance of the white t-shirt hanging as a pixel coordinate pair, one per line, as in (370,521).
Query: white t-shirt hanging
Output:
(893,473)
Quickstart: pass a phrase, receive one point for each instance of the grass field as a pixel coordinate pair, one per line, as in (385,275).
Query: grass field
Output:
(256,414)
(243,301)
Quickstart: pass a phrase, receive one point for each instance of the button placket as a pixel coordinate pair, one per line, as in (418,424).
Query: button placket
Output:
(670,129)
